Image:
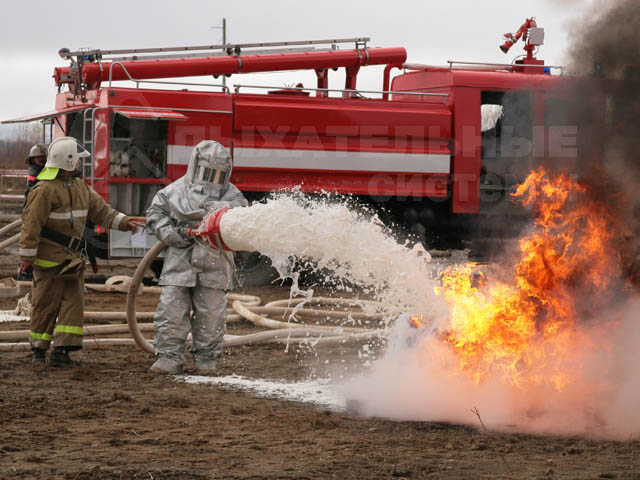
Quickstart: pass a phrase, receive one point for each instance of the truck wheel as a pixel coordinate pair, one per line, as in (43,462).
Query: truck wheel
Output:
(254,269)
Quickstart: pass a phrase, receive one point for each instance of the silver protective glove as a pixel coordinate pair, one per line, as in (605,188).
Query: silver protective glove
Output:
(183,231)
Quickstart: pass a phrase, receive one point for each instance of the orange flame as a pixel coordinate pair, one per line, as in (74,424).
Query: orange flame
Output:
(522,330)
(417,322)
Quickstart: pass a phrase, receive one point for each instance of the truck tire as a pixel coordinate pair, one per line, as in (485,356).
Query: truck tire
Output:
(254,269)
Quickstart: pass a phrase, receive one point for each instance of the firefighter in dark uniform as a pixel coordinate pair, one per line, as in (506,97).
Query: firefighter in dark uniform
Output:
(53,221)
(35,161)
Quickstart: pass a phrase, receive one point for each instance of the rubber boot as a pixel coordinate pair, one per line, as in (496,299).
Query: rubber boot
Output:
(205,367)
(60,358)
(166,366)
(38,356)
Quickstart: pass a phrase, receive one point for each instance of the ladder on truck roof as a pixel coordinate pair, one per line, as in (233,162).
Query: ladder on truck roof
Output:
(90,67)
(210,50)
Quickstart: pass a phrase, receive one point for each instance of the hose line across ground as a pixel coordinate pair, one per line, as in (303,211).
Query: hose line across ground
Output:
(243,307)
(11,226)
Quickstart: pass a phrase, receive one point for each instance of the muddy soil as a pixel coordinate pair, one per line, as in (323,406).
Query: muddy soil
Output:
(111,419)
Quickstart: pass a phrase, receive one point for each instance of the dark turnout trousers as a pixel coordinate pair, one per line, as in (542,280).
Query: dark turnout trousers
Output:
(57,293)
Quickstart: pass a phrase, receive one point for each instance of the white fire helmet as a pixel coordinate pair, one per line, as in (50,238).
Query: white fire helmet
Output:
(64,153)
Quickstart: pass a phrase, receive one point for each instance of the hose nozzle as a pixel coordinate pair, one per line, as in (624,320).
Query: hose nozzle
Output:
(209,230)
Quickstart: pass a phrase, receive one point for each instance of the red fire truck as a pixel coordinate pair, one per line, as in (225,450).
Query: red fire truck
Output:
(417,146)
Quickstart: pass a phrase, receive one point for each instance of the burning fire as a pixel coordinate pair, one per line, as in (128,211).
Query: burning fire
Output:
(417,322)
(524,330)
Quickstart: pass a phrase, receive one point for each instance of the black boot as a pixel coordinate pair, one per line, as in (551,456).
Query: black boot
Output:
(60,358)
(38,356)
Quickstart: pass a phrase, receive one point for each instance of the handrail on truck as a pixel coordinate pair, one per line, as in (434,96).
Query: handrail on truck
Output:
(225,89)
(237,88)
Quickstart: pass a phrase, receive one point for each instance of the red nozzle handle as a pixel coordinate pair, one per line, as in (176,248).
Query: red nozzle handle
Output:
(209,230)
(194,231)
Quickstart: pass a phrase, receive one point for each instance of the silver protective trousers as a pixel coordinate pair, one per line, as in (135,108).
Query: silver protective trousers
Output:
(172,323)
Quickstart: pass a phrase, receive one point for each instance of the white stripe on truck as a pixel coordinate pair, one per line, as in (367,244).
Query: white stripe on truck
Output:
(286,159)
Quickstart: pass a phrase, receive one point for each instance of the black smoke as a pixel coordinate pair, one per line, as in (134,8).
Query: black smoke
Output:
(605,47)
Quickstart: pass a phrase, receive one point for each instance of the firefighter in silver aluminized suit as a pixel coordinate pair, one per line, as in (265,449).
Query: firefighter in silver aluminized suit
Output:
(193,275)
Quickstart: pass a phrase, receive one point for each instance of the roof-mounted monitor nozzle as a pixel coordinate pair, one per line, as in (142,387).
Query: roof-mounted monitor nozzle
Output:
(531,34)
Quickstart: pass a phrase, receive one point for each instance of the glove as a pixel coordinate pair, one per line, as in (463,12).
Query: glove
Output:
(183,231)
(25,266)
(134,225)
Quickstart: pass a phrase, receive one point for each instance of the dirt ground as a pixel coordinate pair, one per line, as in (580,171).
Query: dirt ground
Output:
(112,419)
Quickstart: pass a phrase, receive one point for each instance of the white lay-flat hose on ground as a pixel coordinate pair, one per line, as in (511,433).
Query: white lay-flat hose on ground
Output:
(252,315)
(11,226)
(240,304)
(24,346)
(246,306)
(120,284)
(92,330)
(100,316)
(274,308)
(344,302)
(285,336)
(323,334)
(10,241)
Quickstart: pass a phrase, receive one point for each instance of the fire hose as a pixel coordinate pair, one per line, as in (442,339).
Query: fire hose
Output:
(244,306)
(11,226)
(209,232)
(7,242)
(10,241)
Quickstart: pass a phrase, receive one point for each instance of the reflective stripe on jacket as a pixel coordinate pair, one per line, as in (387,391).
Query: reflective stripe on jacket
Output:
(62,204)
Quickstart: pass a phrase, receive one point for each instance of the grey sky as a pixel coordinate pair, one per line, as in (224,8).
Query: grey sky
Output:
(431,31)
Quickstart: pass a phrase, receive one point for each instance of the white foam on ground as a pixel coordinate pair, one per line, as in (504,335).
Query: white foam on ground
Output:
(318,392)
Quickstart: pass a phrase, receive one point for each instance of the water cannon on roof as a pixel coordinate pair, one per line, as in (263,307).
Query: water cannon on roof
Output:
(531,34)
